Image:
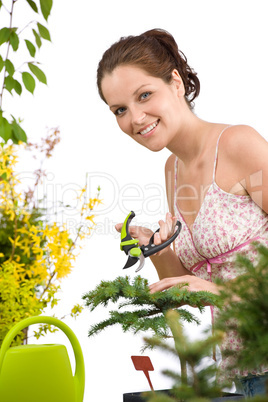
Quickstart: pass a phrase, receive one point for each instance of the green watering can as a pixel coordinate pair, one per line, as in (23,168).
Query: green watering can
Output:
(40,373)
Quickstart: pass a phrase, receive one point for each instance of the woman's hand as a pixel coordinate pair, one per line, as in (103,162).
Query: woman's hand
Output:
(195,284)
(143,235)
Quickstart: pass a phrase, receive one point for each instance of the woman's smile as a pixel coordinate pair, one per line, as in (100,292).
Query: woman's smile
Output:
(149,129)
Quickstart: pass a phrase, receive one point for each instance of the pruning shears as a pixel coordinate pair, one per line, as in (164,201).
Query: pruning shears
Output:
(137,253)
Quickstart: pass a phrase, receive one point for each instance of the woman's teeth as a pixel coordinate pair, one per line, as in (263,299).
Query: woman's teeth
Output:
(149,128)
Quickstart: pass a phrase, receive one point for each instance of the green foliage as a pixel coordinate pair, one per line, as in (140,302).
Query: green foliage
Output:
(198,382)
(15,79)
(246,312)
(35,252)
(138,309)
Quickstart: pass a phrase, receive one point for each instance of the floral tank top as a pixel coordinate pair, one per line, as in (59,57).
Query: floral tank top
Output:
(226,224)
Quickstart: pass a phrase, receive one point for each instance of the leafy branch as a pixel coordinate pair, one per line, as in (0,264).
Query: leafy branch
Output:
(14,79)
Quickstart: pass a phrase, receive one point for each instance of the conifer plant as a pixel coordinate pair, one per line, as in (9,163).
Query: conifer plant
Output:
(244,309)
(138,310)
(196,381)
(246,312)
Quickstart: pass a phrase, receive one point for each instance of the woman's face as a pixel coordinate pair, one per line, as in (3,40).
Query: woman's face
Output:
(146,108)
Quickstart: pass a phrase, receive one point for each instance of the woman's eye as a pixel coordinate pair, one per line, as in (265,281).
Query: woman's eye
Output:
(145,95)
(119,111)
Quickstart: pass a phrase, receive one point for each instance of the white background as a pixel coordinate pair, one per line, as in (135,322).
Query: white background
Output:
(225,41)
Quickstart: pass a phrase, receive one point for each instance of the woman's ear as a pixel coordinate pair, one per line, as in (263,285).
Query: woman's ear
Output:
(177,81)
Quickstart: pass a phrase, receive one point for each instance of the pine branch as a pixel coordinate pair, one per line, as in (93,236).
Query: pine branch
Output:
(200,380)
(136,293)
(248,315)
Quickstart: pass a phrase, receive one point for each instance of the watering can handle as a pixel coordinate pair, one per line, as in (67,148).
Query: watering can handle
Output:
(79,377)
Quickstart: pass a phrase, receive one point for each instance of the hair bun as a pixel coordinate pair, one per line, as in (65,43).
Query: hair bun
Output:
(155,51)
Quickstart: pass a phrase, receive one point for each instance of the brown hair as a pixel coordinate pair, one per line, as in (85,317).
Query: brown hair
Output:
(157,53)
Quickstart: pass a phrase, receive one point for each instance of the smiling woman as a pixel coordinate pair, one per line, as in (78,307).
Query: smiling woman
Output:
(149,86)
(145,106)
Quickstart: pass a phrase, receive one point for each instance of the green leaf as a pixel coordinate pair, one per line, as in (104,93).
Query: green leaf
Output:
(46,6)
(32,5)
(37,38)
(14,40)
(38,73)
(9,83)
(5,129)
(17,87)
(30,47)
(1,63)
(28,81)
(4,35)
(18,132)
(9,67)
(43,31)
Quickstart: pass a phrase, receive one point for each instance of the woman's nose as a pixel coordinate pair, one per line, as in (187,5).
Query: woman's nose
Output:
(138,116)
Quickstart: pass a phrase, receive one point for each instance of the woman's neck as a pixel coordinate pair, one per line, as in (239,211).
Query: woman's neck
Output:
(191,141)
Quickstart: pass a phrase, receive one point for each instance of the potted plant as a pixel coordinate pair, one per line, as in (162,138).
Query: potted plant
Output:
(245,310)
(140,311)
(245,299)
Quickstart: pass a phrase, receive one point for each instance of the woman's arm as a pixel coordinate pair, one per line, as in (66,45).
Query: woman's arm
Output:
(168,265)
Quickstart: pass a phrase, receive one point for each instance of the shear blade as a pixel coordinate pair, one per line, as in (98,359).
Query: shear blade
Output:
(131,261)
(142,259)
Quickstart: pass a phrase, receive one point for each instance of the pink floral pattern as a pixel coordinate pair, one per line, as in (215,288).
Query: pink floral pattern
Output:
(224,222)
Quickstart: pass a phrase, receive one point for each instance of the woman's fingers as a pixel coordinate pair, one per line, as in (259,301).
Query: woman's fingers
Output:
(144,234)
(118,227)
(167,283)
(140,233)
(194,284)
(133,230)
(167,229)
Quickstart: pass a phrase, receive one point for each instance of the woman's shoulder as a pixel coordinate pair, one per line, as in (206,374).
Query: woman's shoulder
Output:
(239,136)
(243,149)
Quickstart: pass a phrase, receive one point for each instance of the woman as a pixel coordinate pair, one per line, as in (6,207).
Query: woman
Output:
(216,174)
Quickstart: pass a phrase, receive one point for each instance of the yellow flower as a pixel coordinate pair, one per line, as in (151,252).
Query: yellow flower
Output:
(90,218)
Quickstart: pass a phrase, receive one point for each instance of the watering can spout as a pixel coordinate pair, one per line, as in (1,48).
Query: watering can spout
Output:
(41,372)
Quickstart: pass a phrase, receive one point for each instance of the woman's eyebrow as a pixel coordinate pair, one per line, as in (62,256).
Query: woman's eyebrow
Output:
(134,93)
(137,90)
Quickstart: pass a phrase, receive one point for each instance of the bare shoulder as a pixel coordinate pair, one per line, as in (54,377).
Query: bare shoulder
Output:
(241,138)
(244,150)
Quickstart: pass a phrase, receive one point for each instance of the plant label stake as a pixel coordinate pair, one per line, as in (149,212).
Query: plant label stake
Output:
(143,363)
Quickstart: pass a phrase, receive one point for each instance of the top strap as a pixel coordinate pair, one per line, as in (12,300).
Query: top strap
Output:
(175,182)
(216,152)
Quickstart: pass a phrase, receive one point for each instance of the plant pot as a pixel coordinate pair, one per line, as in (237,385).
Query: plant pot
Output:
(137,396)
